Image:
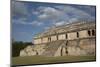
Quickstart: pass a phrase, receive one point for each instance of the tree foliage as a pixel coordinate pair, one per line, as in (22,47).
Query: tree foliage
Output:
(17,46)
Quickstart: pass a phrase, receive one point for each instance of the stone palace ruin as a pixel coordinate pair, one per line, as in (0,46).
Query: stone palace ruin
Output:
(77,39)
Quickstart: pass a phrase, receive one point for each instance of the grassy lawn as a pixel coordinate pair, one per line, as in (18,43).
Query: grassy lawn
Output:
(41,60)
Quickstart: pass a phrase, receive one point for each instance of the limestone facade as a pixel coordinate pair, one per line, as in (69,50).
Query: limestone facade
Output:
(80,31)
(71,39)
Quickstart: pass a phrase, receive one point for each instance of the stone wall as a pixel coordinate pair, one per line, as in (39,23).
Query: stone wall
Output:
(35,41)
(83,34)
(72,35)
(88,45)
(32,50)
(82,47)
(76,51)
(72,43)
(62,37)
(68,36)
(38,41)
(78,42)
(79,47)
(53,38)
(45,40)
(28,51)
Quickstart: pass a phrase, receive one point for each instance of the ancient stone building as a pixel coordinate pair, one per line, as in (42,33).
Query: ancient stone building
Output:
(76,38)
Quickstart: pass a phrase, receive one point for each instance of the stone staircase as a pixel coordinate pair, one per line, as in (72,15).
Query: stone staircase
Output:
(52,47)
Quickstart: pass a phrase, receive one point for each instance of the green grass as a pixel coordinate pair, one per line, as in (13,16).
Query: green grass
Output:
(43,60)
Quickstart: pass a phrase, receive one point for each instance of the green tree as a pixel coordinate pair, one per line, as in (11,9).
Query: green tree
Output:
(17,46)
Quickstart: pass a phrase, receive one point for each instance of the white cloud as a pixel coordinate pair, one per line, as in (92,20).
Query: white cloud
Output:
(19,8)
(57,15)
(35,12)
(37,23)
(49,13)
(46,28)
(63,13)
(60,23)
(75,12)
(73,19)
(21,21)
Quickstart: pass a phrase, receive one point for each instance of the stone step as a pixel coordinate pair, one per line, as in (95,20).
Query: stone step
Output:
(52,47)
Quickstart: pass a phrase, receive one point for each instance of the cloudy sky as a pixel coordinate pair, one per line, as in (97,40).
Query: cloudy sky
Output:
(30,18)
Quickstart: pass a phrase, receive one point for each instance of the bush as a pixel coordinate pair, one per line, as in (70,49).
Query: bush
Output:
(17,46)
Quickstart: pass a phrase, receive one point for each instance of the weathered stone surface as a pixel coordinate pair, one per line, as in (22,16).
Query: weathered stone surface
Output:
(72,43)
(23,53)
(53,38)
(76,51)
(28,51)
(62,48)
(73,39)
(88,45)
(72,35)
(52,47)
(58,52)
(39,48)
